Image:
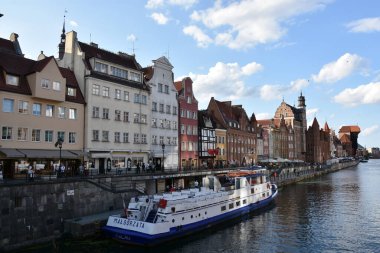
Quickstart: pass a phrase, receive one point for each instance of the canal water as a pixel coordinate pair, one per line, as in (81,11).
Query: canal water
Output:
(338,212)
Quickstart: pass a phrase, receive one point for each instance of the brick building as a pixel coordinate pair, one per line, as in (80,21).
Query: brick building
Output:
(317,144)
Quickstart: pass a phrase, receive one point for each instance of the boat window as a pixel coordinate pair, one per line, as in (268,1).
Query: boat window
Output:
(173,220)
(238,203)
(199,215)
(237,185)
(244,201)
(205,213)
(191,216)
(263,194)
(223,208)
(253,190)
(231,205)
(183,218)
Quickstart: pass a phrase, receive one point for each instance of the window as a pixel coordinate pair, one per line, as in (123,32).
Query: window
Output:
(167,124)
(137,98)
(72,136)
(136,138)
(231,205)
(95,89)
(37,109)
(174,110)
(95,112)
(106,92)
(117,94)
(244,201)
(105,113)
(168,109)
(72,113)
(45,83)
(195,130)
(126,116)
(168,140)
(143,99)
(189,100)
(23,107)
(105,136)
(237,203)
(166,89)
(12,80)
(161,123)
(154,139)
(126,96)
(189,114)
(182,113)
(161,140)
(183,146)
(174,125)
(117,115)
(101,67)
(119,72)
(136,77)
(136,117)
(143,138)
(61,112)
(125,137)
(8,105)
(49,110)
(182,129)
(161,107)
(61,135)
(174,141)
(56,86)
(49,135)
(154,106)
(143,119)
(72,92)
(95,135)
(117,137)
(6,133)
(154,122)
(36,135)
(160,87)
(22,134)
(223,208)
(188,132)
(190,146)
(194,115)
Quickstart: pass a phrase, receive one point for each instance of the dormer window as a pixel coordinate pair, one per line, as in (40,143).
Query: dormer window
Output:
(12,80)
(71,92)
(45,83)
(101,67)
(135,77)
(57,86)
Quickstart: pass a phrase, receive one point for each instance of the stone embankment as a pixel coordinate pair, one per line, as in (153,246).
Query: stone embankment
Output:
(37,212)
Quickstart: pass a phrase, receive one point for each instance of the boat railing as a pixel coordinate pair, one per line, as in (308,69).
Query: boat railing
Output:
(148,208)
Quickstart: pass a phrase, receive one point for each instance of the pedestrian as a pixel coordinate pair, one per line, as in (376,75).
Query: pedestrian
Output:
(143,167)
(138,168)
(81,170)
(30,173)
(196,184)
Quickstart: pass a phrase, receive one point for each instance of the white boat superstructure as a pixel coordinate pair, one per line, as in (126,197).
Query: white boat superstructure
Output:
(162,216)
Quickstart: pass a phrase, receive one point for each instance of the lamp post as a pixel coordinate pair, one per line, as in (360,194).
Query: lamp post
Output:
(59,145)
(163,157)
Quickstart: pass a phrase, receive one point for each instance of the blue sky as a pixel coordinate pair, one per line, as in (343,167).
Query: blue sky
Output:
(255,53)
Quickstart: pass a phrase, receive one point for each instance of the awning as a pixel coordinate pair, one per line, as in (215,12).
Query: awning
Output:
(49,154)
(10,153)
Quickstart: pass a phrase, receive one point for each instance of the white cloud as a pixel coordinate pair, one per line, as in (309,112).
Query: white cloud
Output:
(224,81)
(271,92)
(131,37)
(339,69)
(365,25)
(370,130)
(363,94)
(152,4)
(160,18)
(311,112)
(263,115)
(247,23)
(73,23)
(202,39)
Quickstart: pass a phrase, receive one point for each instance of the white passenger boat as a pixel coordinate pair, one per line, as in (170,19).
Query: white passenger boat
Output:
(151,220)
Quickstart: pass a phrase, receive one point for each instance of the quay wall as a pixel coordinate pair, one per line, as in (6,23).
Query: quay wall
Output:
(39,212)
(36,212)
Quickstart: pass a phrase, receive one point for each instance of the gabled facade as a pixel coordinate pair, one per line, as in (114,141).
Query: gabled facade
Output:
(296,118)
(241,131)
(117,122)
(188,125)
(40,102)
(207,150)
(318,144)
(353,133)
(164,110)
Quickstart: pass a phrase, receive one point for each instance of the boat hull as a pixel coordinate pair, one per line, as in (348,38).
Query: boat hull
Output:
(143,239)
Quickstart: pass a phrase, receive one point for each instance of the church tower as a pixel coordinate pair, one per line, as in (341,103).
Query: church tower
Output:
(61,45)
(302,107)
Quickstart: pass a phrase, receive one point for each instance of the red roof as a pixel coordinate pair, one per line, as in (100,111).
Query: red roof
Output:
(345,138)
(349,129)
(178,85)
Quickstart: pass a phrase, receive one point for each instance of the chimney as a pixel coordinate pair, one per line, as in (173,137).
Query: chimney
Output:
(13,38)
(94,44)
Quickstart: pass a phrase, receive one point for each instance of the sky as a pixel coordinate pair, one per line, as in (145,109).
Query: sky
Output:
(254,53)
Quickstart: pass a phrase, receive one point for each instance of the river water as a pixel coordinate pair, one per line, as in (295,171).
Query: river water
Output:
(338,212)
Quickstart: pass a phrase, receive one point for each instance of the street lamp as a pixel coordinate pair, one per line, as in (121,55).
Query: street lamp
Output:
(59,145)
(163,157)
